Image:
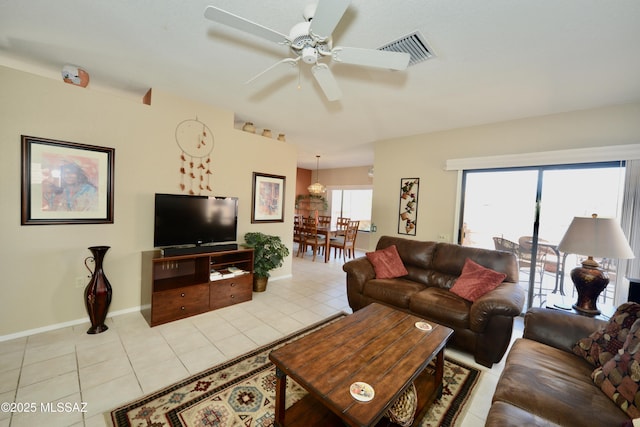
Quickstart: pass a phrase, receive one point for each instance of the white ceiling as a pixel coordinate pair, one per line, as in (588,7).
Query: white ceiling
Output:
(495,60)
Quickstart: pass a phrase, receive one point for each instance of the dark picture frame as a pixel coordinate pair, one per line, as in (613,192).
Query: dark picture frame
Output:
(66,182)
(267,198)
(408,207)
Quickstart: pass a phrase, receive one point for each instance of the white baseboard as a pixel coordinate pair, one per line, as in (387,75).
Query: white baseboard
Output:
(62,325)
(276,278)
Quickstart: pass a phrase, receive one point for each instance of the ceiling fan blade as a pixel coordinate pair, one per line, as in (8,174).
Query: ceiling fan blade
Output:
(371,57)
(291,61)
(226,18)
(328,14)
(327,82)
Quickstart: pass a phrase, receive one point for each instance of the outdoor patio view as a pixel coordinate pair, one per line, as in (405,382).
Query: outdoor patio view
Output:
(508,209)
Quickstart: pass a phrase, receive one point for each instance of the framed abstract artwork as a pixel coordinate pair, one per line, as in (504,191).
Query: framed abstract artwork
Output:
(268,198)
(408,214)
(66,182)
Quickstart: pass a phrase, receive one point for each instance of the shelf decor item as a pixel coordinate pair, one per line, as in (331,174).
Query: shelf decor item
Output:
(249,127)
(75,75)
(408,206)
(269,253)
(97,294)
(267,198)
(66,182)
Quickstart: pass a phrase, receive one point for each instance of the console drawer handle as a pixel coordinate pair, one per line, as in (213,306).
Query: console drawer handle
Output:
(182,308)
(182,294)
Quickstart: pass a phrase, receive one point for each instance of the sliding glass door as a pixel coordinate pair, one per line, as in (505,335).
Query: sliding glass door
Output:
(528,210)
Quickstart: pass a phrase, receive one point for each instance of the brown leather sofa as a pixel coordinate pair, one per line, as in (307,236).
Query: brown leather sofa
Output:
(545,384)
(482,328)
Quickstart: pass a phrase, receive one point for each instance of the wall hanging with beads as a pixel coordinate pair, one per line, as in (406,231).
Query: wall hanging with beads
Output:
(196,143)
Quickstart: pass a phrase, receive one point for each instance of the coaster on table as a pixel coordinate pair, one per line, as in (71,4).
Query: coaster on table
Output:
(423,326)
(361,391)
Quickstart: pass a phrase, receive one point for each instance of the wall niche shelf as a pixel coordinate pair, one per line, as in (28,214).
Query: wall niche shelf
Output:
(181,286)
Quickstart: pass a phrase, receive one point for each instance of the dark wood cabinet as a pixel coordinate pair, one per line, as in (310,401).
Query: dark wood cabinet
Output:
(181,286)
(230,291)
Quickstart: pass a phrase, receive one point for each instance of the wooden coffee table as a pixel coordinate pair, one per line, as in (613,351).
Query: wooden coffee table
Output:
(377,345)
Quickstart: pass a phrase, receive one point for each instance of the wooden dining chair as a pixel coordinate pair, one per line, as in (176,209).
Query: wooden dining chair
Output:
(324,220)
(346,243)
(297,228)
(309,237)
(341,225)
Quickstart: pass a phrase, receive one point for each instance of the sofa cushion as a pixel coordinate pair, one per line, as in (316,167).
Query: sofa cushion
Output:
(387,263)
(396,292)
(450,259)
(504,415)
(413,252)
(555,385)
(602,345)
(619,378)
(441,306)
(476,280)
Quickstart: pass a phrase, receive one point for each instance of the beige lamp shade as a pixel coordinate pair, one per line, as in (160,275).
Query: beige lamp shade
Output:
(596,237)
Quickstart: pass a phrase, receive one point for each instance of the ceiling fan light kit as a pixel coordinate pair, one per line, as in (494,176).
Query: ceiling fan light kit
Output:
(311,41)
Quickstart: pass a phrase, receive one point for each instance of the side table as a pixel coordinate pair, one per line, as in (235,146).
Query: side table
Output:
(564,303)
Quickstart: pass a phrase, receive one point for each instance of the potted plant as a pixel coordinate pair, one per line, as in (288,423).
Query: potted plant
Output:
(269,253)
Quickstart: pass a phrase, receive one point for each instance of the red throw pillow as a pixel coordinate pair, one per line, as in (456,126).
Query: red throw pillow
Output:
(476,280)
(387,263)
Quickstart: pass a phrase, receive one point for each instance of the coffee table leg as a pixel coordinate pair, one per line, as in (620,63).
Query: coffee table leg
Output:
(439,374)
(281,390)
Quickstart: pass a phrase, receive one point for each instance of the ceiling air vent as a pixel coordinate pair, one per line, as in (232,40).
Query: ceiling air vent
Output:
(414,44)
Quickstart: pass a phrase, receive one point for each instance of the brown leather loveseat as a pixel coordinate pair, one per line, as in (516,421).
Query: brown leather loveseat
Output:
(545,384)
(482,328)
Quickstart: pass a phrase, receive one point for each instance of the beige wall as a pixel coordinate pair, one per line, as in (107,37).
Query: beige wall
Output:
(424,156)
(339,176)
(39,264)
(345,176)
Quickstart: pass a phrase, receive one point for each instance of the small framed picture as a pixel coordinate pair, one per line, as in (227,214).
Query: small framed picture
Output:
(268,198)
(66,182)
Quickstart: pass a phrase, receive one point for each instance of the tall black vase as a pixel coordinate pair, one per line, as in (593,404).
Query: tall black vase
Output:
(97,294)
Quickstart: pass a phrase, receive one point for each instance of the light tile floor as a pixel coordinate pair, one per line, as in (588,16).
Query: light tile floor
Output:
(69,367)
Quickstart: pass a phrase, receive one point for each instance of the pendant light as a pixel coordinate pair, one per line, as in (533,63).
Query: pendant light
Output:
(317,188)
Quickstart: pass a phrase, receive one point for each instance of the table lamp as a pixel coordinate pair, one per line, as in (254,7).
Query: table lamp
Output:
(593,237)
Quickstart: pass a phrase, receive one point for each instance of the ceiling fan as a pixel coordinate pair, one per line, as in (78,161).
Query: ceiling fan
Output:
(311,41)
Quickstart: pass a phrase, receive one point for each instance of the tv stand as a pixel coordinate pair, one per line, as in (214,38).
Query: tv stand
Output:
(192,250)
(179,286)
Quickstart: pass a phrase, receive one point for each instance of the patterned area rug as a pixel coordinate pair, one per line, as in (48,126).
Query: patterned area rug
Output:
(241,393)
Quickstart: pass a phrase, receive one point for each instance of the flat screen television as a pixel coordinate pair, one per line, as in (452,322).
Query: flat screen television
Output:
(194,220)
